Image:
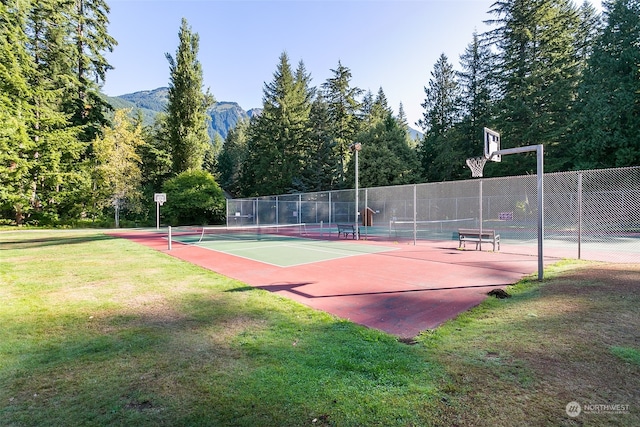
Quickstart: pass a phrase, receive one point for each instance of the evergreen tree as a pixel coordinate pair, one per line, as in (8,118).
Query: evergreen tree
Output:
(402,117)
(441,104)
(478,94)
(279,137)
(232,158)
(385,158)
(16,148)
(60,180)
(609,99)
(442,111)
(343,108)
(87,23)
(539,70)
(187,105)
(589,28)
(155,154)
(321,169)
(380,109)
(210,161)
(366,107)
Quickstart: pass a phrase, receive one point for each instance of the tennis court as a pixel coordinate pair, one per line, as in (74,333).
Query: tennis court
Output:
(400,288)
(281,246)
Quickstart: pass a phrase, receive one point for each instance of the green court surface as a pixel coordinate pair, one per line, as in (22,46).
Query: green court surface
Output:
(284,251)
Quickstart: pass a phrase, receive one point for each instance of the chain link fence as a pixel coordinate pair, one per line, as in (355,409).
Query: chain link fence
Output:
(592,214)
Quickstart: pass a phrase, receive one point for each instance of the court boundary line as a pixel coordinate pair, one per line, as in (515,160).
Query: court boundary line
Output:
(289,266)
(197,244)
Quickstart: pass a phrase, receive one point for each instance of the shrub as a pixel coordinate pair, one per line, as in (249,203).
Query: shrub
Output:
(194,197)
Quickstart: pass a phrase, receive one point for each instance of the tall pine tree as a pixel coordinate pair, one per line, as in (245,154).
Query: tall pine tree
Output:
(61,179)
(279,139)
(88,22)
(437,152)
(16,148)
(539,72)
(232,158)
(343,113)
(608,126)
(187,105)
(478,94)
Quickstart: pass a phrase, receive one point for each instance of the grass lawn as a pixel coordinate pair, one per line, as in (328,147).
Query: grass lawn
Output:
(100,331)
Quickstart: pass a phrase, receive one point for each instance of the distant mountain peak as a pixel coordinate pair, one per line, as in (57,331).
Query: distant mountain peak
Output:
(224,114)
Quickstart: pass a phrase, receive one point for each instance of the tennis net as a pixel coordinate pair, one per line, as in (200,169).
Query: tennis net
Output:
(398,228)
(253,232)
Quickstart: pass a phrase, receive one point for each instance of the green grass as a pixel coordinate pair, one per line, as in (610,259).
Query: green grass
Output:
(627,354)
(102,331)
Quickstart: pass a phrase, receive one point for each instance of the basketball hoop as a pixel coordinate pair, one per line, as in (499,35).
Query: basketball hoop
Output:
(476,164)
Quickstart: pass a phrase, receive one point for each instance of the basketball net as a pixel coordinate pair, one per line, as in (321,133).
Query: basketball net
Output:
(476,164)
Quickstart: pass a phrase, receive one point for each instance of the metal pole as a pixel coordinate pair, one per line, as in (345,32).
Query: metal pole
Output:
(157,215)
(169,237)
(480,227)
(330,209)
(366,213)
(415,215)
(257,212)
(540,171)
(579,215)
(357,197)
(539,149)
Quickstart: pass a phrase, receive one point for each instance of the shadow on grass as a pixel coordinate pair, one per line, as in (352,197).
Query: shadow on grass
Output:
(29,242)
(214,359)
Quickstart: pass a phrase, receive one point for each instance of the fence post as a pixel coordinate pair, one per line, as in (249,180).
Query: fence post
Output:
(579,215)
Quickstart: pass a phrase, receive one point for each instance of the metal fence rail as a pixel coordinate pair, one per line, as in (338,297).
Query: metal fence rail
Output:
(592,214)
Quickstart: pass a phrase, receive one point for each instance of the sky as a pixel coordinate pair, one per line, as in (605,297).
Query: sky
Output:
(388,44)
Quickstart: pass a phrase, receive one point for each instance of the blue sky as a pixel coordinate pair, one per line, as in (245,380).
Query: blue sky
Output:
(391,44)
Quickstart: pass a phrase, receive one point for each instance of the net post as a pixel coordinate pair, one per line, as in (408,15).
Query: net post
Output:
(169,236)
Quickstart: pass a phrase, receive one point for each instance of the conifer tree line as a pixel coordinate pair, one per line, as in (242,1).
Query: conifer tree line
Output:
(547,72)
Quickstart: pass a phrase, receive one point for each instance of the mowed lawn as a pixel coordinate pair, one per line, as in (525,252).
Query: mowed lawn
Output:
(98,331)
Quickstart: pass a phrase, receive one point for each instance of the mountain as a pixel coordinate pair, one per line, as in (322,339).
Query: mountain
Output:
(224,115)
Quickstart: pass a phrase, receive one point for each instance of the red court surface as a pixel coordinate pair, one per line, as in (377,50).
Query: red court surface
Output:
(402,292)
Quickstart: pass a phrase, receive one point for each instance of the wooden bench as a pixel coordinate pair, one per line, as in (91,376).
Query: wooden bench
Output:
(473,235)
(347,229)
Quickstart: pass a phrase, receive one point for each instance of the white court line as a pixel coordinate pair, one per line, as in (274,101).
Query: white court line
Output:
(346,254)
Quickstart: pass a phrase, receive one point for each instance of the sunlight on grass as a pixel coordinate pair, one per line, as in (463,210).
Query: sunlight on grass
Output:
(102,331)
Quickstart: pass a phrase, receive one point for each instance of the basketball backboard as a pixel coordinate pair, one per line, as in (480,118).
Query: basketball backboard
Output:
(491,145)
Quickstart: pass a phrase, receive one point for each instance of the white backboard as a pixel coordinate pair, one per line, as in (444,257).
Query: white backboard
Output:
(491,145)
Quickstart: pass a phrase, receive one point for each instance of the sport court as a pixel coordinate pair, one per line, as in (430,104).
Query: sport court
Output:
(400,288)
(280,246)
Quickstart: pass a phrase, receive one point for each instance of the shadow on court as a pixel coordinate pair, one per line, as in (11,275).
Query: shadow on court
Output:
(401,291)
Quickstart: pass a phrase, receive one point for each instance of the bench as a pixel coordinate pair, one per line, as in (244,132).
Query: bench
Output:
(473,235)
(347,229)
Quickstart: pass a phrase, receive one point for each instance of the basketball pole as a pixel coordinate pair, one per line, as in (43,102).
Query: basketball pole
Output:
(539,149)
